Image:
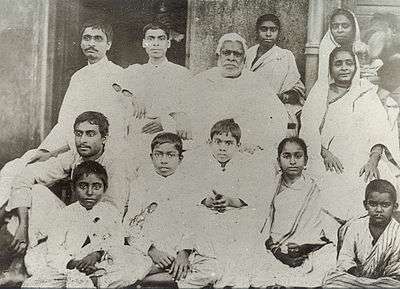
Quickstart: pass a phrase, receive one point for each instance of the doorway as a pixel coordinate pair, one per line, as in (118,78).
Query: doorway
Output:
(128,18)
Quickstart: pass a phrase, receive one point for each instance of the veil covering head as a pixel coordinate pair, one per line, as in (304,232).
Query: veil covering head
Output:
(328,43)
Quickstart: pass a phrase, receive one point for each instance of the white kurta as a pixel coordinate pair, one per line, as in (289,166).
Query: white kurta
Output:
(278,67)
(164,212)
(91,89)
(377,264)
(161,89)
(247,99)
(157,209)
(230,236)
(101,226)
(61,167)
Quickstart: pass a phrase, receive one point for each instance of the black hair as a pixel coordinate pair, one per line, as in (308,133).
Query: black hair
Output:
(349,16)
(227,126)
(381,186)
(101,24)
(337,50)
(293,139)
(155,26)
(268,17)
(94,117)
(89,168)
(168,137)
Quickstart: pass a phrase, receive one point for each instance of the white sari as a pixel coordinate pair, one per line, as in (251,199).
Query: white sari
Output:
(348,128)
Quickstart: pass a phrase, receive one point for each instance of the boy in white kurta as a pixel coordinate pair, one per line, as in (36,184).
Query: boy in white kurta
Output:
(86,240)
(369,256)
(30,201)
(161,216)
(229,185)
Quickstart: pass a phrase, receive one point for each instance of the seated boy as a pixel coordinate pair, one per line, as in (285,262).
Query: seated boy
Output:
(28,199)
(160,218)
(370,253)
(86,240)
(229,184)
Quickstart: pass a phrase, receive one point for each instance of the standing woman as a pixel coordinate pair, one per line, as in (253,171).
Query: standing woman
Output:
(276,65)
(343,31)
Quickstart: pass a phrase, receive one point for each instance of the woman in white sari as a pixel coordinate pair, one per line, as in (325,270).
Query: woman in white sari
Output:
(350,135)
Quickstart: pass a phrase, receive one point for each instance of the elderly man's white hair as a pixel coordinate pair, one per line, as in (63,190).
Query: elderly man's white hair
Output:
(231,37)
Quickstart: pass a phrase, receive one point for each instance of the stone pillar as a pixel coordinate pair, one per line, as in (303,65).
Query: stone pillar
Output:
(315,32)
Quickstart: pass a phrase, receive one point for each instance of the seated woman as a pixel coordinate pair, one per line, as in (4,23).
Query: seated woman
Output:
(349,134)
(276,65)
(298,231)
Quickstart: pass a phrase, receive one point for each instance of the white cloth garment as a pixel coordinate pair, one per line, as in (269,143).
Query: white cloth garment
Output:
(91,88)
(77,232)
(61,167)
(349,127)
(161,89)
(247,99)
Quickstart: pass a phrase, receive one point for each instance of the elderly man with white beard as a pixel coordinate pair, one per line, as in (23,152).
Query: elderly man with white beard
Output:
(230,91)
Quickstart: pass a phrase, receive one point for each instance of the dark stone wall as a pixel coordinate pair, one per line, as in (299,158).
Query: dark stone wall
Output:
(21,32)
(210,19)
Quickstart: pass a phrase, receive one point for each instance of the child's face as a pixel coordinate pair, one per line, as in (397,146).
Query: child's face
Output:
(380,208)
(223,147)
(89,190)
(165,159)
(292,160)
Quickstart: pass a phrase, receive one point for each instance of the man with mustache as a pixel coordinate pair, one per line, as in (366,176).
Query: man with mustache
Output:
(158,85)
(90,88)
(229,91)
(31,203)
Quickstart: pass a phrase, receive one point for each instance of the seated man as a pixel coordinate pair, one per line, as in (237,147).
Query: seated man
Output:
(369,257)
(32,202)
(231,91)
(157,87)
(161,216)
(86,241)
(229,184)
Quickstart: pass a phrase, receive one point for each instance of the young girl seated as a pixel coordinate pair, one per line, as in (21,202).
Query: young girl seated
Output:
(297,230)
(369,257)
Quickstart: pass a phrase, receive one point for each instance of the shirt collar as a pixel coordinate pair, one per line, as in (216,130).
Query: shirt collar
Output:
(162,64)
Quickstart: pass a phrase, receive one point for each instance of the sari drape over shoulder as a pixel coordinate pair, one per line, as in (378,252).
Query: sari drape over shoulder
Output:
(348,127)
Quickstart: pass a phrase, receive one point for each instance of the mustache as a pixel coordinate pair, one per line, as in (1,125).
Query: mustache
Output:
(91,49)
